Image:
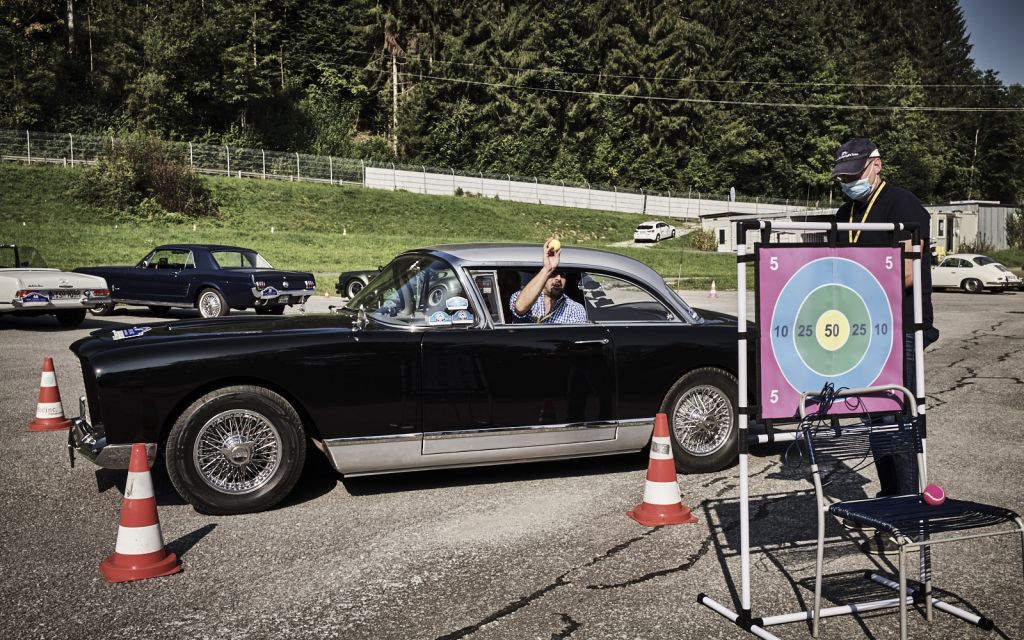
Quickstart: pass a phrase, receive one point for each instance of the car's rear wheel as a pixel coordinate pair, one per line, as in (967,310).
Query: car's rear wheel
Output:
(211,304)
(239,449)
(701,409)
(353,287)
(102,309)
(275,310)
(972,285)
(71,317)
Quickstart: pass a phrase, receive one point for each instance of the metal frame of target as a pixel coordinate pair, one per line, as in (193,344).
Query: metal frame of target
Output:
(827,312)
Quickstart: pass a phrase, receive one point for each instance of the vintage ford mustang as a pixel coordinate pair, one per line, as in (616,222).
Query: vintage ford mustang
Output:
(209,277)
(29,288)
(425,368)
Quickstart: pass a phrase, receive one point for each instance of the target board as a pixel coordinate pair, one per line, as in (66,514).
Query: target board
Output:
(828,314)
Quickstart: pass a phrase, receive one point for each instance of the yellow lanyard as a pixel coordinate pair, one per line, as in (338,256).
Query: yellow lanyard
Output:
(855,238)
(554,310)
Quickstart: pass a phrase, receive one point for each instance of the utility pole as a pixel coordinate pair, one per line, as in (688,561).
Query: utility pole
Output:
(71,27)
(394,104)
(974,160)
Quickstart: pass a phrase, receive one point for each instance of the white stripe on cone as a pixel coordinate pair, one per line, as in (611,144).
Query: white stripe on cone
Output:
(139,486)
(49,410)
(661,492)
(135,541)
(48,379)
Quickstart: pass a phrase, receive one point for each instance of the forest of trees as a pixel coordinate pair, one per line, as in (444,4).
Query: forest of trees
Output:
(690,94)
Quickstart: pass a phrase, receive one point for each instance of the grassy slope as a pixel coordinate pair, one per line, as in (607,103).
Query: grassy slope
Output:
(320,228)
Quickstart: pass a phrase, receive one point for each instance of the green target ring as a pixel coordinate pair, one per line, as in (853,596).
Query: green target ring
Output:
(833,330)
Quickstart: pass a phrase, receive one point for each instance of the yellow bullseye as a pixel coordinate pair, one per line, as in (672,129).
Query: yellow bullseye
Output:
(832,330)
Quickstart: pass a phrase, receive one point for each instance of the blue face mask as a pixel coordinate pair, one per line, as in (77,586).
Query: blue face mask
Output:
(856,190)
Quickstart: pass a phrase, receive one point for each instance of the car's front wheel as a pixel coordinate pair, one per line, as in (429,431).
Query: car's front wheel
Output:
(239,449)
(972,285)
(211,304)
(701,409)
(71,317)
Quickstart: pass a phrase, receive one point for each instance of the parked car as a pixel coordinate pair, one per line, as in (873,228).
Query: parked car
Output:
(352,282)
(973,273)
(653,231)
(424,368)
(29,288)
(212,278)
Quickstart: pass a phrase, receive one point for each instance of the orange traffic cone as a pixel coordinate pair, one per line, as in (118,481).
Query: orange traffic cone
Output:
(139,552)
(713,293)
(49,409)
(662,503)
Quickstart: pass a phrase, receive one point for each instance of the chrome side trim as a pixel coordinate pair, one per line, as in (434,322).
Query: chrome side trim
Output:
(405,452)
(517,437)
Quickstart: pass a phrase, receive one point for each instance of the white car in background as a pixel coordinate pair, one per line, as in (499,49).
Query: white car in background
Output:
(973,273)
(29,288)
(653,231)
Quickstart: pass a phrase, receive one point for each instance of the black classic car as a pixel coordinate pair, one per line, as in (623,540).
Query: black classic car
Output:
(352,282)
(212,278)
(424,368)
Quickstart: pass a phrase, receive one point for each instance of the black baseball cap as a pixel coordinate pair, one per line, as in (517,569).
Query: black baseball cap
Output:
(853,156)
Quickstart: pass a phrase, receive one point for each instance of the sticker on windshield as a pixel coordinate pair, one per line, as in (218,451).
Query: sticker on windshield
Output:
(456,302)
(439,319)
(131,332)
(35,298)
(462,316)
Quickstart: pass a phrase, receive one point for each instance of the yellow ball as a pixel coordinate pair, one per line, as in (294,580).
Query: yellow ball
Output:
(554,245)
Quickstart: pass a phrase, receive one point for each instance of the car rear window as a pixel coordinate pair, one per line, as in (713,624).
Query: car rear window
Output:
(240,260)
(644,226)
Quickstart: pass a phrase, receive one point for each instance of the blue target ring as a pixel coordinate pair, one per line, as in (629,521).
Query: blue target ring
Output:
(847,277)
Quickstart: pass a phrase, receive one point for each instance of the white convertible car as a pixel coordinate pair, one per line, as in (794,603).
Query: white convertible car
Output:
(29,288)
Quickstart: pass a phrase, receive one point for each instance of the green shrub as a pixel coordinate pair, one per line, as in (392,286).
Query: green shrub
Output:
(702,240)
(980,245)
(138,175)
(1015,228)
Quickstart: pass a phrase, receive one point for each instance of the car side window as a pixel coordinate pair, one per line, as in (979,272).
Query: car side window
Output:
(487,284)
(612,299)
(173,259)
(418,291)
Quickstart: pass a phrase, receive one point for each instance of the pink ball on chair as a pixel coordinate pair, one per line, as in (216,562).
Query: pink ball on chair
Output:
(934,495)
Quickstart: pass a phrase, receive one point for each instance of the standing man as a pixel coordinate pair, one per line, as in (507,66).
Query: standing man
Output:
(543,298)
(858,169)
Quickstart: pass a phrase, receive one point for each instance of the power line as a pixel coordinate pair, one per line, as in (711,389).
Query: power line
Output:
(708,101)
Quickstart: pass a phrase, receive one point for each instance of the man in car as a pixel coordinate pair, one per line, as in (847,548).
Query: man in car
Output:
(543,299)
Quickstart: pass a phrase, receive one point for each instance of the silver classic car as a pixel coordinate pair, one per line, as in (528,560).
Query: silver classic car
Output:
(29,288)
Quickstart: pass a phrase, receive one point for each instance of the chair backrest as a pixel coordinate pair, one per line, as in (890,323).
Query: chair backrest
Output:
(824,441)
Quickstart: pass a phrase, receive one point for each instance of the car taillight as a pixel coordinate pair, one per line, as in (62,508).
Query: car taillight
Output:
(21,293)
(311,284)
(261,284)
(100,293)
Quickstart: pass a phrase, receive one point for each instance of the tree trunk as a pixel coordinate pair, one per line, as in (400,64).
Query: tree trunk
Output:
(71,27)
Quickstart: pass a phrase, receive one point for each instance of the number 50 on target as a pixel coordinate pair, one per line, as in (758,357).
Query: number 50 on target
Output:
(828,314)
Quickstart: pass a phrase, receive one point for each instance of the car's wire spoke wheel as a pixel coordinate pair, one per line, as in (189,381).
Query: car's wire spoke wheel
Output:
(702,420)
(237,451)
(210,305)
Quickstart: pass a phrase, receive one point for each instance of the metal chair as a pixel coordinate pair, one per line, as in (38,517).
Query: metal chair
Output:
(912,523)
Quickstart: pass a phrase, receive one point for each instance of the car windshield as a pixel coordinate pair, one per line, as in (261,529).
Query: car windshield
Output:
(240,259)
(415,290)
(20,258)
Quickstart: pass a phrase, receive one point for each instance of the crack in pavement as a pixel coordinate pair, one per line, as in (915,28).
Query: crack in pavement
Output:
(570,627)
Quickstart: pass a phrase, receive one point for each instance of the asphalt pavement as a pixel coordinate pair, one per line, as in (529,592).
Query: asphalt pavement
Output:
(519,551)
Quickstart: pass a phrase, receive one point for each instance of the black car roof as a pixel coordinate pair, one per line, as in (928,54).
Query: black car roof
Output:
(208,247)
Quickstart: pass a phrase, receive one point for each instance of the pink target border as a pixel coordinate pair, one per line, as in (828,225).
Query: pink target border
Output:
(776,266)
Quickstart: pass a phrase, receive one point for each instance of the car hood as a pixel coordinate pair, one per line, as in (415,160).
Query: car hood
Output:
(130,336)
(52,279)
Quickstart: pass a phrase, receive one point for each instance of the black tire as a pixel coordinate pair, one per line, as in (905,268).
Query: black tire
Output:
(972,285)
(157,310)
(210,457)
(276,310)
(71,317)
(702,420)
(211,304)
(102,309)
(352,287)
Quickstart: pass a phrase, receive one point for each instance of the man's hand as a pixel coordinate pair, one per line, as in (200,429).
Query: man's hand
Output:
(552,255)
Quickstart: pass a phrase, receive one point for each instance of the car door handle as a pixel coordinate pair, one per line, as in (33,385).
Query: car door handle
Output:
(601,341)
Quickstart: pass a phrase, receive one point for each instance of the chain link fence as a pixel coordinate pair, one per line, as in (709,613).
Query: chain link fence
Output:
(225,160)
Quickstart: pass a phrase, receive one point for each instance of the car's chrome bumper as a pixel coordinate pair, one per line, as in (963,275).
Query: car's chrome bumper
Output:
(91,443)
(294,296)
